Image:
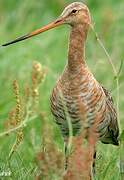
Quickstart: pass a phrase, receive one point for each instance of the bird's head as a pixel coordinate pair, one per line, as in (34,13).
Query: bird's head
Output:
(74,14)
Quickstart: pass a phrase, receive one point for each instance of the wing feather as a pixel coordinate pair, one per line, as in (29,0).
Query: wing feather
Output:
(113,129)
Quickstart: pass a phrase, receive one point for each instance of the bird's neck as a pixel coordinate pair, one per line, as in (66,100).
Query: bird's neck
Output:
(76,54)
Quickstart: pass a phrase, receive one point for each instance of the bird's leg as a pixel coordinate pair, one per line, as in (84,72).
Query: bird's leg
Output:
(66,153)
(93,164)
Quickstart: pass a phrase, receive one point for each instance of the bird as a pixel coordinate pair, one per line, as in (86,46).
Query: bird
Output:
(76,90)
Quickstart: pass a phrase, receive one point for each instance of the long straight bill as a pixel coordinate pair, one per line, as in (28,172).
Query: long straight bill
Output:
(36,32)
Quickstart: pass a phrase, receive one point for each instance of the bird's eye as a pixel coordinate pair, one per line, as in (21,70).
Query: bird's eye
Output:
(74,11)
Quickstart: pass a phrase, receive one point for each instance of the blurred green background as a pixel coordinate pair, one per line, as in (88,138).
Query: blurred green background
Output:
(18,17)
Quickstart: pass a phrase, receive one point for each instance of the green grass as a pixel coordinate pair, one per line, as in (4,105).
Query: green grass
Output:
(50,49)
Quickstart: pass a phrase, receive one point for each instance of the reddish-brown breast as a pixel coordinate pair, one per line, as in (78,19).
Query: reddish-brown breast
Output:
(79,98)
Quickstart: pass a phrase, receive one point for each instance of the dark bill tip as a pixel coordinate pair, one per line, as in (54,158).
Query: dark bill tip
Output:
(16,40)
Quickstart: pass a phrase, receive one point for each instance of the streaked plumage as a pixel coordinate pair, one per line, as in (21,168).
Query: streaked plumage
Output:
(77,89)
(82,91)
